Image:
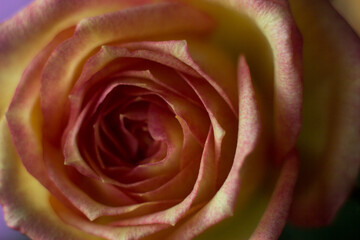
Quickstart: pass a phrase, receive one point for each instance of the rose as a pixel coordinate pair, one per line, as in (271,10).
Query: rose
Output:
(33,209)
(244,173)
(349,9)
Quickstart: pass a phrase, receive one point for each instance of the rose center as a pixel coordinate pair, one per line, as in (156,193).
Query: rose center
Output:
(117,131)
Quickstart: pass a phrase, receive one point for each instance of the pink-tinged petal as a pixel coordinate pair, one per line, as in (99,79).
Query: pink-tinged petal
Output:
(23,36)
(162,127)
(217,68)
(101,65)
(276,213)
(24,114)
(208,62)
(25,200)
(106,194)
(169,132)
(80,200)
(195,117)
(169,79)
(275,38)
(76,147)
(147,184)
(167,53)
(167,165)
(71,151)
(60,73)
(113,176)
(349,9)
(216,104)
(329,143)
(108,232)
(99,62)
(176,188)
(165,77)
(222,205)
(223,122)
(192,149)
(177,85)
(203,190)
(105,138)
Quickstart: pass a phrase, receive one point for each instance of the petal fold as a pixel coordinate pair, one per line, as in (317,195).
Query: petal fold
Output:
(25,201)
(329,142)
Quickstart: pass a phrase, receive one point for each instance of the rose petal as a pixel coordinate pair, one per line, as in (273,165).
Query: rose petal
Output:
(274,22)
(176,188)
(329,143)
(223,121)
(23,36)
(88,206)
(60,72)
(24,114)
(181,184)
(157,54)
(276,213)
(202,190)
(349,9)
(25,200)
(96,68)
(195,117)
(222,205)
(108,232)
(207,61)
(162,127)
(142,170)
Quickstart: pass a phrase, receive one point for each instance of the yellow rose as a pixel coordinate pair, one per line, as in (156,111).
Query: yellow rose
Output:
(173,119)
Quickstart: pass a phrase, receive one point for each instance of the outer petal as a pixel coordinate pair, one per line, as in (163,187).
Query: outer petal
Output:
(108,232)
(150,21)
(329,143)
(26,202)
(276,213)
(222,205)
(24,117)
(274,22)
(350,10)
(23,36)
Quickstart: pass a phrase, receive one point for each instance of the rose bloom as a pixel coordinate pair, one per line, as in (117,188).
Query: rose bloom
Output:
(350,10)
(164,119)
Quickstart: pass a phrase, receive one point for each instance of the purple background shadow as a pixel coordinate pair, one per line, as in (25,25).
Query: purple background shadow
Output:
(9,8)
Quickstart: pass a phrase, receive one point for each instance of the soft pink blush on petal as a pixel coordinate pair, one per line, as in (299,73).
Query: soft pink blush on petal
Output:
(222,204)
(203,189)
(23,36)
(276,213)
(25,201)
(24,110)
(329,142)
(107,232)
(275,21)
(89,207)
(60,71)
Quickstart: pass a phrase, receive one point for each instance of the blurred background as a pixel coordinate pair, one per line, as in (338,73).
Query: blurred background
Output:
(347,223)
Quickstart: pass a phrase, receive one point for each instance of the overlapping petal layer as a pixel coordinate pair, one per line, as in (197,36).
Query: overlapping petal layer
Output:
(280,44)
(146,128)
(27,33)
(329,142)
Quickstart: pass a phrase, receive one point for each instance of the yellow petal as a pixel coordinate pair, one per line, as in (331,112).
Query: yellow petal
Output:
(329,142)
(25,200)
